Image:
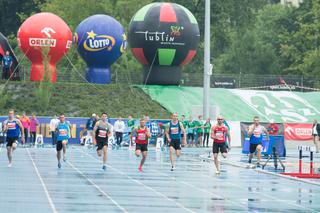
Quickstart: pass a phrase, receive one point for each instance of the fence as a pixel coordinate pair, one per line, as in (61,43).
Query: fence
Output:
(296,82)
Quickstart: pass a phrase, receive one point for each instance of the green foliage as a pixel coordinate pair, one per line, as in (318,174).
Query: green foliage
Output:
(80,100)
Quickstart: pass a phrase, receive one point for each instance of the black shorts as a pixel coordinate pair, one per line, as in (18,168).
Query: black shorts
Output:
(101,143)
(190,136)
(142,147)
(176,144)
(219,147)
(11,140)
(59,146)
(253,147)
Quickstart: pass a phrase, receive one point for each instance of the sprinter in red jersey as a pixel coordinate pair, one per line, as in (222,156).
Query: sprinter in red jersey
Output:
(218,134)
(142,135)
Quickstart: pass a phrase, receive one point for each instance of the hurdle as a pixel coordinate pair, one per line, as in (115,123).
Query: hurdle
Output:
(300,174)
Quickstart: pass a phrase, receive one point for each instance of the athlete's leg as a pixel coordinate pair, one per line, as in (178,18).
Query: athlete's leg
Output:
(171,156)
(9,154)
(259,149)
(138,152)
(144,156)
(99,152)
(216,162)
(315,141)
(64,148)
(105,155)
(59,158)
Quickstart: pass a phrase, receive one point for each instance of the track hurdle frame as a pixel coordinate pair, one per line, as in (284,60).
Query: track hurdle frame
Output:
(300,174)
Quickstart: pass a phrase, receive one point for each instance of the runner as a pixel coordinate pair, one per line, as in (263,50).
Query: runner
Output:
(255,132)
(62,131)
(13,128)
(101,133)
(218,134)
(142,135)
(173,133)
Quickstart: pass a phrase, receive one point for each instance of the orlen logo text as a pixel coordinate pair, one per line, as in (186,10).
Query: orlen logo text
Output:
(303,131)
(42,42)
(96,42)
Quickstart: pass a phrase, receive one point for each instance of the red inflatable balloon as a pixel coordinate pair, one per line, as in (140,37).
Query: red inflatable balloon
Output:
(44,34)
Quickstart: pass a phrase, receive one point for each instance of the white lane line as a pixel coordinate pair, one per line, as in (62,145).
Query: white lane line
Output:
(140,183)
(97,187)
(54,210)
(265,195)
(202,190)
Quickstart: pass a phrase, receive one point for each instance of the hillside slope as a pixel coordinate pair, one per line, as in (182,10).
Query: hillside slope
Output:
(78,99)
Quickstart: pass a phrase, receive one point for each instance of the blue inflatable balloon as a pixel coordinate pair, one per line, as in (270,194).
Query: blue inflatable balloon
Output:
(100,41)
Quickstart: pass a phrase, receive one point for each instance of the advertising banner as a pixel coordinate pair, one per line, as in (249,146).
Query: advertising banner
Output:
(299,132)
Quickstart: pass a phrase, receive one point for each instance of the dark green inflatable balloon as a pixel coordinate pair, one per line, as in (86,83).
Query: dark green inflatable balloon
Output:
(163,37)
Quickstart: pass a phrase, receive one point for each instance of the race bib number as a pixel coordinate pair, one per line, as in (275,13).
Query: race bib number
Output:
(102,133)
(11,125)
(142,136)
(63,132)
(219,135)
(257,133)
(174,130)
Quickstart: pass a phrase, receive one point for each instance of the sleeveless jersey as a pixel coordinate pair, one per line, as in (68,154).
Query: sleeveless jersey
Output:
(141,137)
(102,131)
(256,136)
(62,131)
(174,130)
(220,132)
(13,129)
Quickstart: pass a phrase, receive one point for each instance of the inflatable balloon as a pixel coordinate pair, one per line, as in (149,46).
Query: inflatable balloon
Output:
(163,37)
(4,47)
(100,41)
(41,36)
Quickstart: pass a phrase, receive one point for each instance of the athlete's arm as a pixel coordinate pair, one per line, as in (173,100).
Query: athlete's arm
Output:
(56,128)
(251,129)
(109,130)
(229,137)
(5,126)
(167,132)
(184,133)
(267,133)
(94,132)
(148,133)
(21,129)
(213,134)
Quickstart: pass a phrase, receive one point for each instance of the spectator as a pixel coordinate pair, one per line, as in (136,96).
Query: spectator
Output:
(130,125)
(6,64)
(34,123)
(53,122)
(316,134)
(119,128)
(199,130)
(273,128)
(154,131)
(90,124)
(191,131)
(147,120)
(207,128)
(185,126)
(26,125)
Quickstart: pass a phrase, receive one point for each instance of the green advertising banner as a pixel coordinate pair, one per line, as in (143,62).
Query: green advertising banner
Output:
(240,105)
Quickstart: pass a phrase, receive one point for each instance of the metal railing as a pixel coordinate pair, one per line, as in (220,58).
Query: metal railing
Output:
(196,79)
